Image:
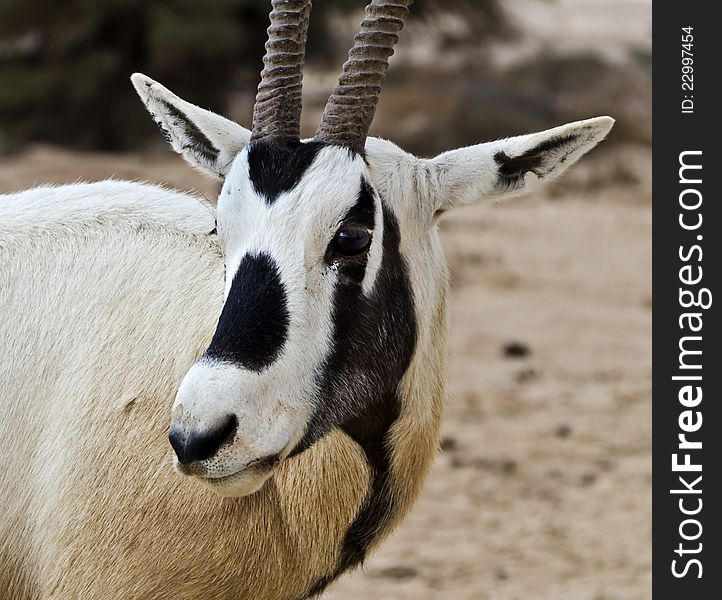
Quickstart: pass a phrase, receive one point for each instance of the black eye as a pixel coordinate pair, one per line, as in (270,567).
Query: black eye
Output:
(351,242)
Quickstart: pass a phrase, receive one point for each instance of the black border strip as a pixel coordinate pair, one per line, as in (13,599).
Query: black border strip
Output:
(676,132)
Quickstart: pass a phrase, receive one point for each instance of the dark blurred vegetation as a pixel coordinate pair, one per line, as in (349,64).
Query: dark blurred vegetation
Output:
(467,106)
(64,65)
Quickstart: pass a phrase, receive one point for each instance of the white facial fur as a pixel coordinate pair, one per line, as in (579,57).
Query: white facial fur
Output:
(299,224)
(273,407)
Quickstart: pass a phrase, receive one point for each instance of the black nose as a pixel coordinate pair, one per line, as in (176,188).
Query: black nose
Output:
(193,445)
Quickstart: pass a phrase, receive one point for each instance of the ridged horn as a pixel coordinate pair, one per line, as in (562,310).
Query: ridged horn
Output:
(350,109)
(277,111)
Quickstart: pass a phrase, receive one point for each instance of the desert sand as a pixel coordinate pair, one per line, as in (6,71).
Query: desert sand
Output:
(542,488)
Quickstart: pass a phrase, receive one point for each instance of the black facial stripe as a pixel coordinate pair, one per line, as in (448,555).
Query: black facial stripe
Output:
(370,432)
(373,343)
(513,169)
(360,214)
(199,142)
(276,168)
(253,325)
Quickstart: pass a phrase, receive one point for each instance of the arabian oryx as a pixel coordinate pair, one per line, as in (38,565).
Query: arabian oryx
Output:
(294,338)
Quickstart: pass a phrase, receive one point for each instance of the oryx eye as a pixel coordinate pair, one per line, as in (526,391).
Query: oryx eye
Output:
(351,242)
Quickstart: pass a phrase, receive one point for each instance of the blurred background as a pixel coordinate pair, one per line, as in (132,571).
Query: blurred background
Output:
(542,487)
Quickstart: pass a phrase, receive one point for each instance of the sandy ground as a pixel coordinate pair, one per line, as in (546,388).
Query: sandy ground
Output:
(609,28)
(543,487)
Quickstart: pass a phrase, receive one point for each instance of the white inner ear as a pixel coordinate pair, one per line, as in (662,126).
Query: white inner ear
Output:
(532,182)
(206,140)
(501,169)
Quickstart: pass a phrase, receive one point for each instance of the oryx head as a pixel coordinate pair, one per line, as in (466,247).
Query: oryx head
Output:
(334,275)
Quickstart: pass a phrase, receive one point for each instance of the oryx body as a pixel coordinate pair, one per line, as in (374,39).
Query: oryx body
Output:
(296,335)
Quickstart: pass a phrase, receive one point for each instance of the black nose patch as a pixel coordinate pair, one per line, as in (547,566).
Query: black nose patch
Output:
(192,446)
(253,325)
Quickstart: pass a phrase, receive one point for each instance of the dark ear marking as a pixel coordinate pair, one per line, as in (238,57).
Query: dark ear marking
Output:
(513,169)
(196,141)
(276,168)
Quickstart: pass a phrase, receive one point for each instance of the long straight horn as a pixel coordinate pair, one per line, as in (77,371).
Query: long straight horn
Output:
(350,109)
(277,112)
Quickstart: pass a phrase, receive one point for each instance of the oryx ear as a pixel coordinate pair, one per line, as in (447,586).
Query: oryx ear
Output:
(499,169)
(206,140)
